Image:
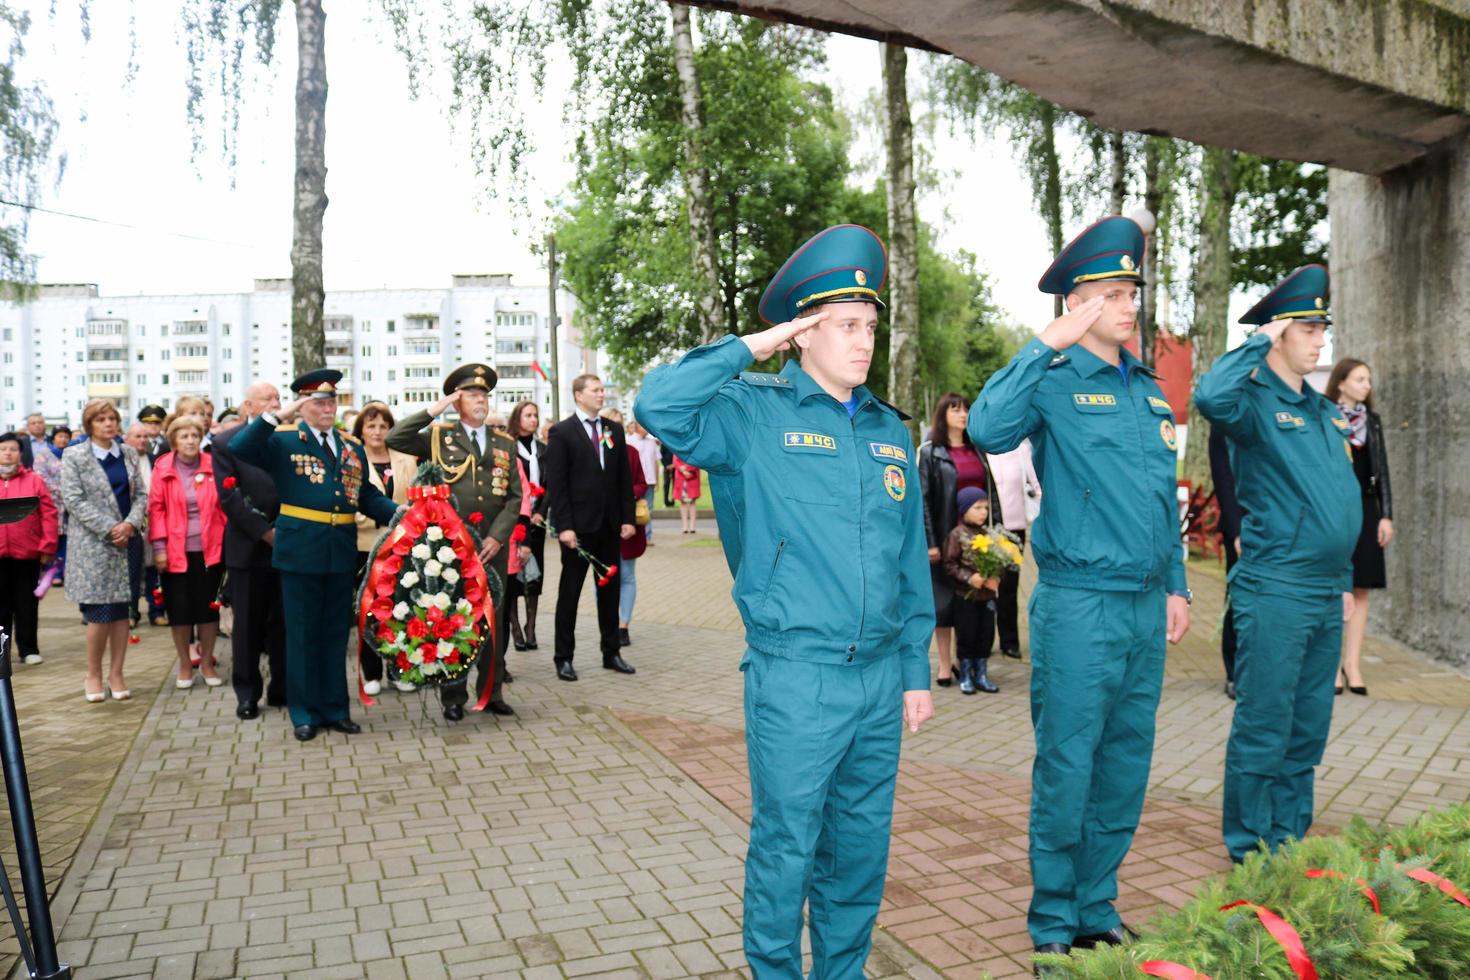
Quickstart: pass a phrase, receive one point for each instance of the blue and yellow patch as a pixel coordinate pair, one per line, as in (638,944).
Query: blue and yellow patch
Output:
(815,441)
(884,450)
(895,482)
(1159,403)
(1341,423)
(1092,401)
(1167,433)
(1286,420)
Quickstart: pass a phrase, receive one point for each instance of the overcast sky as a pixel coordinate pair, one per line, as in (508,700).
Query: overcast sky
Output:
(406,208)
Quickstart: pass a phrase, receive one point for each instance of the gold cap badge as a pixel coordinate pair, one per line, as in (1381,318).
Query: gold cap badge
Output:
(861,277)
(1127,263)
(1319,302)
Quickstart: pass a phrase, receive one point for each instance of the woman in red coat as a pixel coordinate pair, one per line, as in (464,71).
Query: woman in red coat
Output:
(632,548)
(26,547)
(187,528)
(686,491)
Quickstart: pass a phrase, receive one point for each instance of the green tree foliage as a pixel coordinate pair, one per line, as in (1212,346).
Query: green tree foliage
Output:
(1281,218)
(27,137)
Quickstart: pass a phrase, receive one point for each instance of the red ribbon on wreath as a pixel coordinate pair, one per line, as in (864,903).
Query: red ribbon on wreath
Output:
(1428,877)
(1368,893)
(430,506)
(1283,933)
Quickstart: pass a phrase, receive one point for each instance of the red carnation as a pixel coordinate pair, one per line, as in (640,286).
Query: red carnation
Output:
(434,614)
(382,608)
(457,620)
(445,630)
(518,535)
(474,591)
(417,628)
(403,662)
(134,638)
(228,483)
(430,654)
(602,580)
(215,604)
(403,546)
(386,633)
(476,517)
(537,490)
(392,565)
(612,570)
(158,595)
(453,657)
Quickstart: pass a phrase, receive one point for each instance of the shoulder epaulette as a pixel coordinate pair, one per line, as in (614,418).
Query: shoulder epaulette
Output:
(286,427)
(351,438)
(503,432)
(903,416)
(764,379)
(1059,360)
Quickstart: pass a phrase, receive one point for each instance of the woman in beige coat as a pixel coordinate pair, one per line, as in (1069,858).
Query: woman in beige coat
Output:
(392,473)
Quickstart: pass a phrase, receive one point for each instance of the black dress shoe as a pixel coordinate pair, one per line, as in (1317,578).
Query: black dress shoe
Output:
(618,664)
(305,733)
(623,639)
(944,681)
(344,725)
(1051,971)
(1013,652)
(454,712)
(271,702)
(1230,690)
(1358,690)
(499,707)
(506,678)
(246,710)
(1119,935)
(565,672)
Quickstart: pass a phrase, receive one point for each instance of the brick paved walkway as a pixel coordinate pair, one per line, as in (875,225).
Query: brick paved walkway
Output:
(601,831)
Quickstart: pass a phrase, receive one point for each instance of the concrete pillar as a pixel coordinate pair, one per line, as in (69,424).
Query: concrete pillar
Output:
(1400,261)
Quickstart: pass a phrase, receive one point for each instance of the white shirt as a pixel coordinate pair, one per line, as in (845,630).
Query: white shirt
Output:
(647,447)
(102,454)
(479,434)
(584,418)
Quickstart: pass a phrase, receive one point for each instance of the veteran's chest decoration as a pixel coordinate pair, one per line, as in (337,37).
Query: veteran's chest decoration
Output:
(500,464)
(352,475)
(313,467)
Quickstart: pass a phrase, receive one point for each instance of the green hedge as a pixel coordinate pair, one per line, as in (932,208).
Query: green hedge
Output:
(1422,932)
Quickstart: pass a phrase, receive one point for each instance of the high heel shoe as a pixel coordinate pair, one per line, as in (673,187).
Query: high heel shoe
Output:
(945,681)
(122,695)
(1337,688)
(97,698)
(183,685)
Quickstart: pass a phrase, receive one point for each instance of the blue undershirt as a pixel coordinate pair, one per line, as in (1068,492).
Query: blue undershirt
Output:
(1123,370)
(851,405)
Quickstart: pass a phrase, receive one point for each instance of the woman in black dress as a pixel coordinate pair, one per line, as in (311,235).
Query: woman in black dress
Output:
(524,419)
(1351,386)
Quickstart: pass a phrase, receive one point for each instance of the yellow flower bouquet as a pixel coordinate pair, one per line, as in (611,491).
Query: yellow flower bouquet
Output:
(993,552)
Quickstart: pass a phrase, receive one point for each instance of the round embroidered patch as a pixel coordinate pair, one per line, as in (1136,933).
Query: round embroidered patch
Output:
(1167,433)
(894,482)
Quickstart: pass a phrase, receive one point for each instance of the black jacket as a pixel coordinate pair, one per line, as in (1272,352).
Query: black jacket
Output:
(1223,479)
(1378,466)
(581,494)
(250,506)
(939,486)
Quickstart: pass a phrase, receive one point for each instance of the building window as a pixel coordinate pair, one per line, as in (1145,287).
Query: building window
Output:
(142,379)
(163,330)
(80,357)
(390,327)
(163,355)
(225,329)
(392,350)
(367,375)
(420,372)
(193,350)
(191,328)
(367,351)
(164,381)
(140,356)
(8,357)
(392,374)
(338,348)
(8,334)
(425,346)
(228,377)
(515,319)
(107,328)
(193,377)
(229,353)
(515,347)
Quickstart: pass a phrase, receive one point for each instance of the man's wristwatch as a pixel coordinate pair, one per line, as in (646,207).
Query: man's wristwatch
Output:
(1185,594)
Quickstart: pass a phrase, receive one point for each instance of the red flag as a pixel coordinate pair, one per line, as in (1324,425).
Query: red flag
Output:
(536,366)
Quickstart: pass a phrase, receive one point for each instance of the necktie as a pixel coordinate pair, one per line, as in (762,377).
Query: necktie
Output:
(327,443)
(475,438)
(596,439)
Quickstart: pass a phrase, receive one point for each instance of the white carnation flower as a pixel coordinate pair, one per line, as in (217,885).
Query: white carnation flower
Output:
(421,551)
(400,639)
(400,611)
(408,581)
(441,600)
(416,655)
(446,554)
(464,607)
(432,567)
(445,649)
(435,533)
(450,575)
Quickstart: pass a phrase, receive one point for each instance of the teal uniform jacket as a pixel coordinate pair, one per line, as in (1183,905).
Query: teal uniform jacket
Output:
(306,477)
(823,528)
(1107,545)
(828,548)
(1106,455)
(1303,511)
(1293,473)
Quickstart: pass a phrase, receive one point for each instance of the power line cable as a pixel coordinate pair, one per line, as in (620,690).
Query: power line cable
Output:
(120,224)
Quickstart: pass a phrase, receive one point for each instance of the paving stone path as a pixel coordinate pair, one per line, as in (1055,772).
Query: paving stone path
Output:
(601,831)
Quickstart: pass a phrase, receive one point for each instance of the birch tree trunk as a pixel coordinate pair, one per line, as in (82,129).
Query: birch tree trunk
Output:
(711,309)
(1153,198)
(308,296)
(1118,152)
(903,238)
(1051,204)
(1211,293)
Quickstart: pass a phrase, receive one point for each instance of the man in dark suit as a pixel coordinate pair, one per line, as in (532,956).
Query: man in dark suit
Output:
(589,493)
(248,497)
(1230,514)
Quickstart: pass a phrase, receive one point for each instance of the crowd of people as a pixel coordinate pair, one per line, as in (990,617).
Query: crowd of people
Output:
(163,518)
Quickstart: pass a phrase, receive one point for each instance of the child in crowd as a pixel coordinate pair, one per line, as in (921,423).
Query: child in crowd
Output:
(974,601)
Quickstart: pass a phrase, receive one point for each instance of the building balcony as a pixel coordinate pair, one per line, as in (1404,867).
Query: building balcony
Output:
(420,325)
(107,390)
(191,363)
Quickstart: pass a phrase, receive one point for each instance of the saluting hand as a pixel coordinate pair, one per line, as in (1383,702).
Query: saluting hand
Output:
(1274,330)
(288,411)
(778,338)
(1069,328)
(440,406)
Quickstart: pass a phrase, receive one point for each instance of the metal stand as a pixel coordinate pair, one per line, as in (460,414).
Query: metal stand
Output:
(42,963)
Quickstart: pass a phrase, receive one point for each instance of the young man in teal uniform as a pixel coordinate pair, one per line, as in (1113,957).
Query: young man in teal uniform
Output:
(825,538)
(1291,589)
(321,475)
(1111,586)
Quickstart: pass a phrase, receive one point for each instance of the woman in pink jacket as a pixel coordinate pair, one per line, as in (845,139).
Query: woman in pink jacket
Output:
(26,547)
(686,492)
(187,528)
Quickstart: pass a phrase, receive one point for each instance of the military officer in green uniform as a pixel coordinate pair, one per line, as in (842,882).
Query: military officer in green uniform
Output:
(479,463)
(1111,585)
(1292,587)
(321,475)
(825,536)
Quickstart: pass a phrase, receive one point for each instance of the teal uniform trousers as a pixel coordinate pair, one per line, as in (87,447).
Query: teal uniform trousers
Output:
(1108,550)
(1303,510)
(823,530)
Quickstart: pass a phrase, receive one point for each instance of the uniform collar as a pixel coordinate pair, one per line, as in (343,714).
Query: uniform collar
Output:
(807,387)
(1270,379)
(1086,363)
